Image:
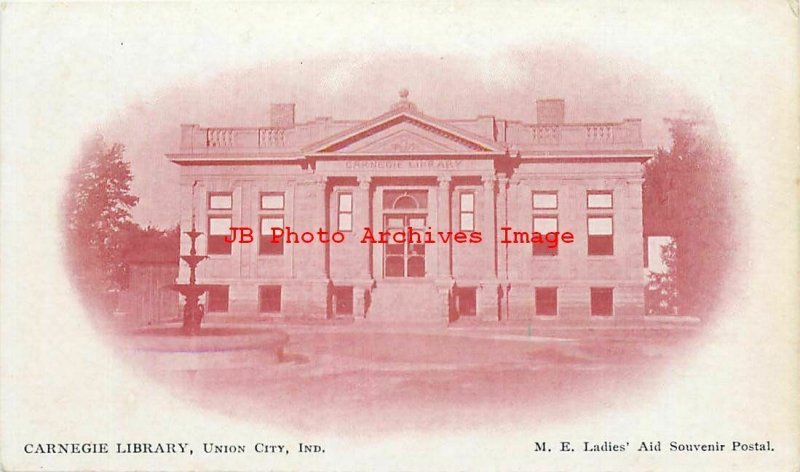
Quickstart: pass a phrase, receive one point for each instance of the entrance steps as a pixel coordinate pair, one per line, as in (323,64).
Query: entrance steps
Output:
(404,300)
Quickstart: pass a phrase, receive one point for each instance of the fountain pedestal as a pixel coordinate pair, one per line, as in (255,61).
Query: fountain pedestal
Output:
(190,349)
(192,313)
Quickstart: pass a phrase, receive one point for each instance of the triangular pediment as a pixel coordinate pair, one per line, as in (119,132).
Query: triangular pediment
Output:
(404,133)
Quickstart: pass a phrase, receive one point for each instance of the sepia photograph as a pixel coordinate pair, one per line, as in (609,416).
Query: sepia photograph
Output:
(275,248)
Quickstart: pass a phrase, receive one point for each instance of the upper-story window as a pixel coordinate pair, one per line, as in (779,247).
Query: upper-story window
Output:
(272,201)
(602,200)
(467,211)
(272,213)
(545,200)
(220,206)
(600,222)
(220,201)
(545,220)
(345,212)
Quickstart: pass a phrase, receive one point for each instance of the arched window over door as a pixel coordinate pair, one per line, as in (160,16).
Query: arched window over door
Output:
(411,199)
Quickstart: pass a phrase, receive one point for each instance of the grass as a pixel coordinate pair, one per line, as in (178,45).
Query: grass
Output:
(389,379)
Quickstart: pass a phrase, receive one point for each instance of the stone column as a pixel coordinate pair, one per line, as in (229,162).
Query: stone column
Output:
(362,218)
(444,268)
(488,297)
(243,293)
(489,220)
(501,210)
(629,295)
(309,294)
(444,218)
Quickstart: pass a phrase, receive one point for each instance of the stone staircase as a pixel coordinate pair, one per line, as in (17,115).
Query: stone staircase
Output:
(405,300)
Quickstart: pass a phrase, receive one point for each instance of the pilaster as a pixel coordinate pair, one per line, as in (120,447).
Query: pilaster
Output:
(362,218)
(444,217)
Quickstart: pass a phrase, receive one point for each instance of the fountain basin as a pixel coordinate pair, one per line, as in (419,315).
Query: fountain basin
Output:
(167,348)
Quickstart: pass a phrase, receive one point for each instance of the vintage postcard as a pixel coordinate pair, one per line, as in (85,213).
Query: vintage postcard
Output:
(400,236)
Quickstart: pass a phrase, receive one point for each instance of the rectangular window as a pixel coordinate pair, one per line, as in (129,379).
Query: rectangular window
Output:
(219,227)
(343,300)
(545,200)
(416,222)
(219,222)
(602,301)
(546,299)
(599,200)
(345,217)
(544,225)
(265,244)
(269,299)
(467,211)
(601,235)
(217,298)
(220,201)
(272,201)
(545,220)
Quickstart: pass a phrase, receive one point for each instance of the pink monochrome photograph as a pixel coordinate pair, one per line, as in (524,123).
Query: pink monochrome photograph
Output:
(399,236)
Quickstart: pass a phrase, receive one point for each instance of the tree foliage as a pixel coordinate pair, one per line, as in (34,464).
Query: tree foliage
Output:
(97,213)
(662,287)
(688,195)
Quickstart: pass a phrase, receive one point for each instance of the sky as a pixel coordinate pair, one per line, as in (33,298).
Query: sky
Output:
(595,88)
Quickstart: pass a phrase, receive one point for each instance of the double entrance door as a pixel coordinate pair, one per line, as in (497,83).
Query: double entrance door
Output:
(406,259)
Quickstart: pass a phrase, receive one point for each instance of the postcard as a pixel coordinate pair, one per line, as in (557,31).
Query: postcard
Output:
(399,236)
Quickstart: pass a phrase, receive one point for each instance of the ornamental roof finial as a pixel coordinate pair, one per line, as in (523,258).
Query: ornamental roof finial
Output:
(404,104)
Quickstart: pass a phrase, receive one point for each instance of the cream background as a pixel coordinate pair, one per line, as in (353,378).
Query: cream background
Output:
(60,382)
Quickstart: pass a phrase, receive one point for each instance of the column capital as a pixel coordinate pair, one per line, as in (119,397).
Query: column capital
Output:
(444,180)
(364,181)
(488,181)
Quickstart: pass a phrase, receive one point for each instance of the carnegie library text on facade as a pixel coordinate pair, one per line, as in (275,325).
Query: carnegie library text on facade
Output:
(407,169)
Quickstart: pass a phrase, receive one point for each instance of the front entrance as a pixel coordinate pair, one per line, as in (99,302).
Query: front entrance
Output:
(405,259)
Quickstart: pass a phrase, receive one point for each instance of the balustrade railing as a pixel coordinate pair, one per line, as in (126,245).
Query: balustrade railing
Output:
(568,135)
(244,137)
(600,133)
(546,134)
(589,134)
(219,137)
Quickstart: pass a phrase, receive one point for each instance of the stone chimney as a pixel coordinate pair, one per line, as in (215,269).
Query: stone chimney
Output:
(281,115)
(550,111)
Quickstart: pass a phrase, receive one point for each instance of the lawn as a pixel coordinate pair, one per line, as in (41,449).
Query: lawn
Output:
(336,377)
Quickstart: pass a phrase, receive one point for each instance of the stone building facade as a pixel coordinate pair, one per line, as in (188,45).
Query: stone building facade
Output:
(406,169)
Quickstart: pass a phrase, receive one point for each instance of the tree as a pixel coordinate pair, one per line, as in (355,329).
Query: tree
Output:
(688,194)
(662,288)
(97,214)
(148,245)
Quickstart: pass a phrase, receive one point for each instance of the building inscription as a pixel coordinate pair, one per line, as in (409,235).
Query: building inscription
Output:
(433,164)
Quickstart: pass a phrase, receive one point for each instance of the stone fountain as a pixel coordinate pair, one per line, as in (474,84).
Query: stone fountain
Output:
(190,348)
(192,313)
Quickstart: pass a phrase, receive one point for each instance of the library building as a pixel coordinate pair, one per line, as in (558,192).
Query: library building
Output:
(469,183)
